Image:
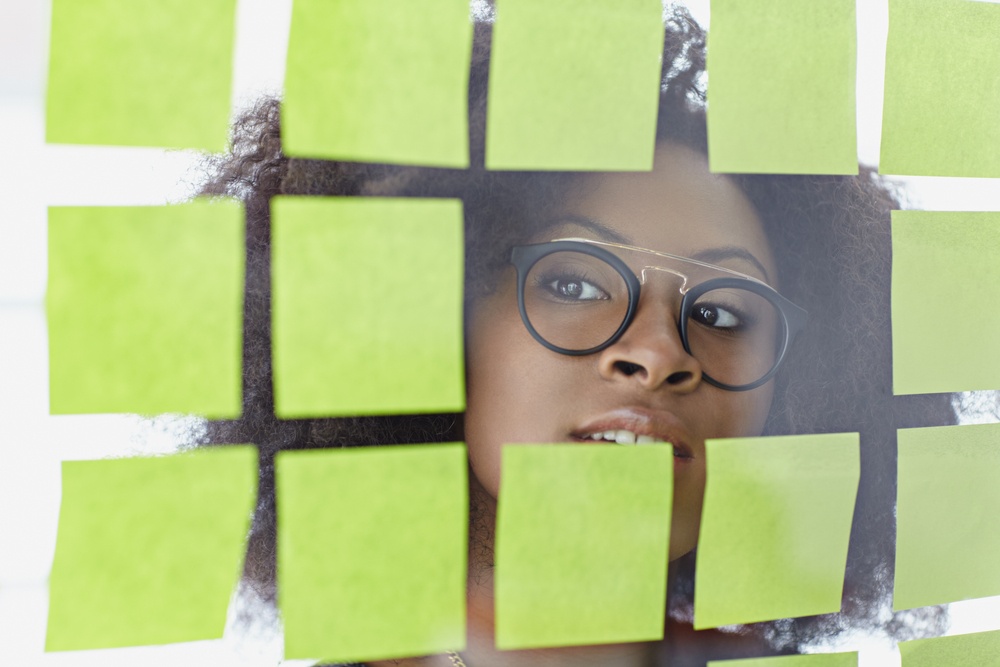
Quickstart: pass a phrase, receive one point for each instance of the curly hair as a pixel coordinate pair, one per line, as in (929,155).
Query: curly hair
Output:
(830,236)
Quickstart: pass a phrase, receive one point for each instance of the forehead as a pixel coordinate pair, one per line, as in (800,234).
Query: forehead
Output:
(679,208)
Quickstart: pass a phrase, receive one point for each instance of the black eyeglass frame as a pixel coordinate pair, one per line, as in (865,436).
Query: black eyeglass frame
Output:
(793,317)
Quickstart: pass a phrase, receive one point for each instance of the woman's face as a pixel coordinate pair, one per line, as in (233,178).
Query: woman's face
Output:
(519,391)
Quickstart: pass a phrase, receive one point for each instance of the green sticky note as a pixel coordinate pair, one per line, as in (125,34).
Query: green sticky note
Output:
(378,81)
(581,553)
(145,309)
(131,73)
(979,649)
(781,97)
(947,515)
(942,100)
(574,85)
(775,527)
(372,550)
(943,264)
(367,306)
(810,660)
(149,550)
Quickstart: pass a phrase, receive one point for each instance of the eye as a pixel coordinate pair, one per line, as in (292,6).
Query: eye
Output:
(576,289)
(716,317)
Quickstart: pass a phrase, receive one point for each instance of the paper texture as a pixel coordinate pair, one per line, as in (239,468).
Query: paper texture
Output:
(367,306)
(582,536)
(947,515)
(145,309)
(574,85)
(131,73)
(775,527)
(782,92)
(378,81)
(372,551)
(149,550)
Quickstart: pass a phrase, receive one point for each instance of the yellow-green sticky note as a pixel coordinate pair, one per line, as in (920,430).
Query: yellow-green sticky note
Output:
(775,527)
(367,306)
(149,550)
(943,264)
(581,553)
(947,515)
(574,85)
(849,659)
(942,100)
(781,95)
(372,550)
(130,73)
(378,81)
(145,309)
(980,649)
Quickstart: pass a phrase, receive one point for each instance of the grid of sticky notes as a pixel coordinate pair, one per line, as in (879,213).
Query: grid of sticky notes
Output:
(145,309)
(942,100)
(848,659)
(947,515)
(775,527)
(132,73)
(149,550)
(581,544)
(372,551)
(978,649)
(574,85)
(945,287)
(782,93)
(378,81)
(367,306)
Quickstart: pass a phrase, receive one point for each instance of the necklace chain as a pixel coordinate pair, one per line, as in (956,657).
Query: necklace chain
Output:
(456,659)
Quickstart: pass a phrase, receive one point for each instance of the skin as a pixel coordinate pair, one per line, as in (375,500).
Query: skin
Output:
(519,391)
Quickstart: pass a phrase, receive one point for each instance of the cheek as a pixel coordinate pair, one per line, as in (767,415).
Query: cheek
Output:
(499,355)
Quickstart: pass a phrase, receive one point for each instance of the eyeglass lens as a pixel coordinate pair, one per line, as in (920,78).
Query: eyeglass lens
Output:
(576,301)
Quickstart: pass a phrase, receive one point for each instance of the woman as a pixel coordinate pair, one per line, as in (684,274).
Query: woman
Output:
(822,242)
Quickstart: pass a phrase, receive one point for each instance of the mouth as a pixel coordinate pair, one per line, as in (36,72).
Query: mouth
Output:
(635,427)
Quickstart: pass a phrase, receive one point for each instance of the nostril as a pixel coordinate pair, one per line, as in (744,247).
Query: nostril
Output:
(679,377)
(627,367)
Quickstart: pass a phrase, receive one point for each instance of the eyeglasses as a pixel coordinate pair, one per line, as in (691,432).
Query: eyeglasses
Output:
(578,296)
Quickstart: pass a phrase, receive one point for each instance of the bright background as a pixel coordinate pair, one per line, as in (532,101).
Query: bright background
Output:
(34,176)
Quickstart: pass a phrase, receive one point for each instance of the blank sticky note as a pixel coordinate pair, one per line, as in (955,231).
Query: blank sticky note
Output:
(574,85)
(367,306)
(372,550)
(947,515)
(581,553)
(811,660)
(979,649)
(130,73)
(378,81)
(145,309)
(945,264)
(781,95)
(775,527)
(942,100)
(149,550)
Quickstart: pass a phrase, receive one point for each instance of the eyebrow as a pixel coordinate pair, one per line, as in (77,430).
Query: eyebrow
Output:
(606,233)
(715,255)
(709,256)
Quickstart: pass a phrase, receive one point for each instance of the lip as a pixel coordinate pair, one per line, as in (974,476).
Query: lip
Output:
(641,421)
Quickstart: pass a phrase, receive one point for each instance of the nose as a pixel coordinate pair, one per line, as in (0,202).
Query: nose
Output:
(651,353)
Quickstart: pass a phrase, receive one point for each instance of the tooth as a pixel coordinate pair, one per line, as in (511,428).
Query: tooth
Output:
(597,436)
(624,437)
(644,439)
(609,435)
